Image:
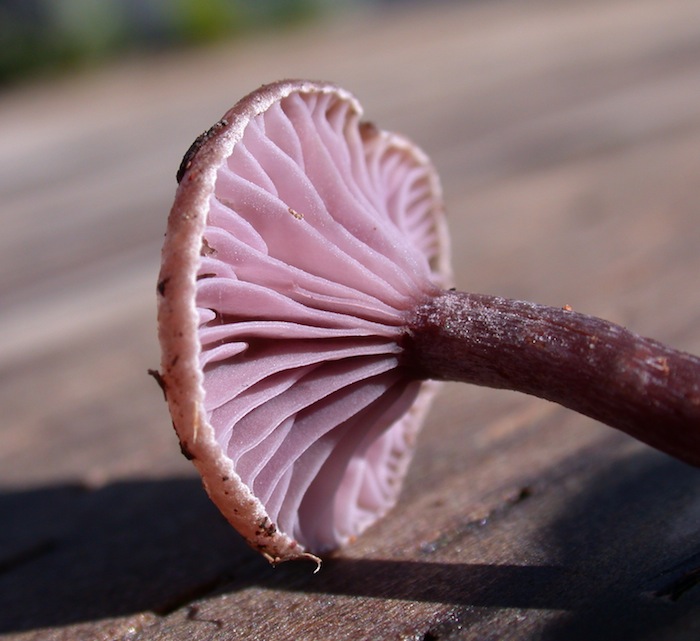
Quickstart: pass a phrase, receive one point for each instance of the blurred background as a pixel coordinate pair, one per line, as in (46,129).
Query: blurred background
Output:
(48,36)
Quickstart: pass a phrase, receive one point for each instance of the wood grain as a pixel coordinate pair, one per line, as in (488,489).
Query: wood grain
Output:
(567,136)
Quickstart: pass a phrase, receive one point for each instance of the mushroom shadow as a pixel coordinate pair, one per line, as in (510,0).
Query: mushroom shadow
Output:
(70,554)
(460,584)
(626,557)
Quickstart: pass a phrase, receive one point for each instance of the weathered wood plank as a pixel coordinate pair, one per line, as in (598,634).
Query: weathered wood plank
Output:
(567,138)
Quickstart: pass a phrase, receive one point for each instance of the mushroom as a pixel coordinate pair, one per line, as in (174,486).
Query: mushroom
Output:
(305,320)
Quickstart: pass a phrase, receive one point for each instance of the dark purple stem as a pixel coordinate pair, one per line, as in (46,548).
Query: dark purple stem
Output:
(597,368)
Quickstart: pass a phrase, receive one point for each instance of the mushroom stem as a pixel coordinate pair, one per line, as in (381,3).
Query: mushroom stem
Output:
(592,366)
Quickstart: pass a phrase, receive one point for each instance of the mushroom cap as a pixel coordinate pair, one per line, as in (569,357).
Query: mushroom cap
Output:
(300,240)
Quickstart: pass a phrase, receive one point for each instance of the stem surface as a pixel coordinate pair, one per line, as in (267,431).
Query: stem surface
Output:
(592,366)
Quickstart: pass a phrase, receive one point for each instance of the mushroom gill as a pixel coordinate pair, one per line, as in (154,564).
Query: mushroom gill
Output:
(308,237)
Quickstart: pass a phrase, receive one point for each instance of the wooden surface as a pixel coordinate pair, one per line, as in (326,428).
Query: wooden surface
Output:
(568,138)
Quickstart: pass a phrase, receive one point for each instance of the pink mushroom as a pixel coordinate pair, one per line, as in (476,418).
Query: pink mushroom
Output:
(302,312)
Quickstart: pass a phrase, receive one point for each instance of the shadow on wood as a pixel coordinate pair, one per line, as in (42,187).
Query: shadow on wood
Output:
(632,544)
(70,554)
